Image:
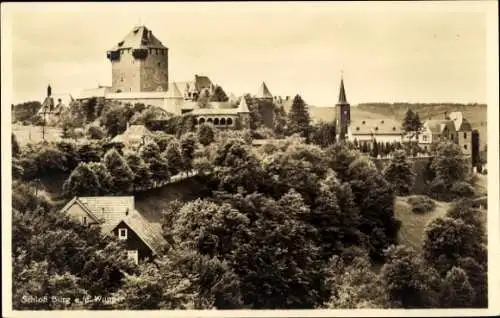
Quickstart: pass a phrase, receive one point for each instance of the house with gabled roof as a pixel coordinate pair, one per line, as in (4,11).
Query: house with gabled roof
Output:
(134,136)
(117,216)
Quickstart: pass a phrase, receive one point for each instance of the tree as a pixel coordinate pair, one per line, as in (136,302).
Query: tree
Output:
(447,240)
(219,95)
(409,282)
(375,151)
(141,174)
(478,279)
(121,173)
(173,156)
(279,120)
(15,146)
(323,134)
(115,119)
(412,124)
(353,284)
(82,181)
(400,174)
(104,178)
(206,134)
(456,291)
(298,118)
(156,163)
(188,147)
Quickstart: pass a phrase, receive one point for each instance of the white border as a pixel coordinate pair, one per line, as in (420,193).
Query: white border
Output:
(491,7)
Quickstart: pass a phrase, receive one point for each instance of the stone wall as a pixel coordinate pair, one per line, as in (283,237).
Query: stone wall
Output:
(154,71)
(126,73)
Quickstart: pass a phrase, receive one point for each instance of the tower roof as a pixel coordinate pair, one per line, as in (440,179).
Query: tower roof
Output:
(243,107)
(264,91)
(139,38)
(342,98)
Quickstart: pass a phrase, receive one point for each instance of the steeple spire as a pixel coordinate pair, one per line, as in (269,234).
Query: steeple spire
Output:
(342,98)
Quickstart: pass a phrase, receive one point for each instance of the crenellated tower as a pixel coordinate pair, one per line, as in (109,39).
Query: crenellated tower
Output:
(139,63)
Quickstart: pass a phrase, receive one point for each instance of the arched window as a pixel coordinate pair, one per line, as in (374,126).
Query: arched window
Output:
(196,121)
(216,121)
(210,120)
(465,135)
(229,121)
(223,121)
(202,120)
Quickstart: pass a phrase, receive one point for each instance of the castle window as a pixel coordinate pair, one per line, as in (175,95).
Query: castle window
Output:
(465,135)
(223,121)
(393,128)
(202,120)
(376,128)
(216,121)
(229,121)
(382,121)
(84,220)
(357,128)
(159,64)
(424,137)
(363,122)
(465,147)
(210,120)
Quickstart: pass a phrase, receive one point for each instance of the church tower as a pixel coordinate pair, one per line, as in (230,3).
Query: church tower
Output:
(343,113)
(139,63)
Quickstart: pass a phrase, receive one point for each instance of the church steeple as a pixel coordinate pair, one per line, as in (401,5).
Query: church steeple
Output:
(342,98)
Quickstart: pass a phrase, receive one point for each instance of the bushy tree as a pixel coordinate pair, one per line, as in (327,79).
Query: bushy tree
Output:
(115,119)
(104,177)
(400,174)
(456,291)
(298,118)
(280,120)
(449,164)
(162,139)
(412,124)
(206,134)
(219,95)
(82,181)
(408,280)
(142,177)
(15,146)
(173,155)
(323,134)
(188,148)
(121,173)
(156,163)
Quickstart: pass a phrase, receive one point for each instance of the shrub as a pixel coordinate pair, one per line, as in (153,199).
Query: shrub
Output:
(463,189)
(421,204)
(96,132)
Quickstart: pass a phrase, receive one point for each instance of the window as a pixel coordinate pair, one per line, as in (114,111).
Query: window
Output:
(122,234)
(363,122)
(465,135)
(84,220)
(133,255)
(357,128)
(424,137)
(216,121)
(465,147)
(229,121)
(223,121)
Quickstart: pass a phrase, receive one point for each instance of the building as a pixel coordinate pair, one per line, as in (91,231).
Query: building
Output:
(378,130)
(221,115)
(54,104)
(117,216)
(453,127)
(134,136)
(139,63)
(343,113)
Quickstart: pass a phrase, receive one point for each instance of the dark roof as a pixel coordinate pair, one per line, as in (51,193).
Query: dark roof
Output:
(201,82)
(264,91)
(342,97)
(139,38)
(375,127)
(437,126)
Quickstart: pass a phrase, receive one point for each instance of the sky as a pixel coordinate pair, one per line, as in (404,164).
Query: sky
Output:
(387,53)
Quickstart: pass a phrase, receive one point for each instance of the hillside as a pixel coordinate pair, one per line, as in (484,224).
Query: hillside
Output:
(413,225)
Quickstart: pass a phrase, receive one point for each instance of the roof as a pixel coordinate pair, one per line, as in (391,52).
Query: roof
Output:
(342,98)
(437,126)
(201,81)
(461,124)
(264,91)
(215,111)
(375,127)
(139,37)
(94,92)
(149,232)
(133,132)
(109,208)
(243,107)
(110,211)
(322,114)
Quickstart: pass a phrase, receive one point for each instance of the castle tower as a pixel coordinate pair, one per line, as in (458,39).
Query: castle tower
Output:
(343,112)
(244,113)
(139,63)
(264,92)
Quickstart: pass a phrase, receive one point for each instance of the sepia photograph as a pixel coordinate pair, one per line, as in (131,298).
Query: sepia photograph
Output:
(219,157)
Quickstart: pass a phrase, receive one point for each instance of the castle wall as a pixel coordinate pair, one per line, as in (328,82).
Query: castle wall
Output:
(465,141)
(154,71)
